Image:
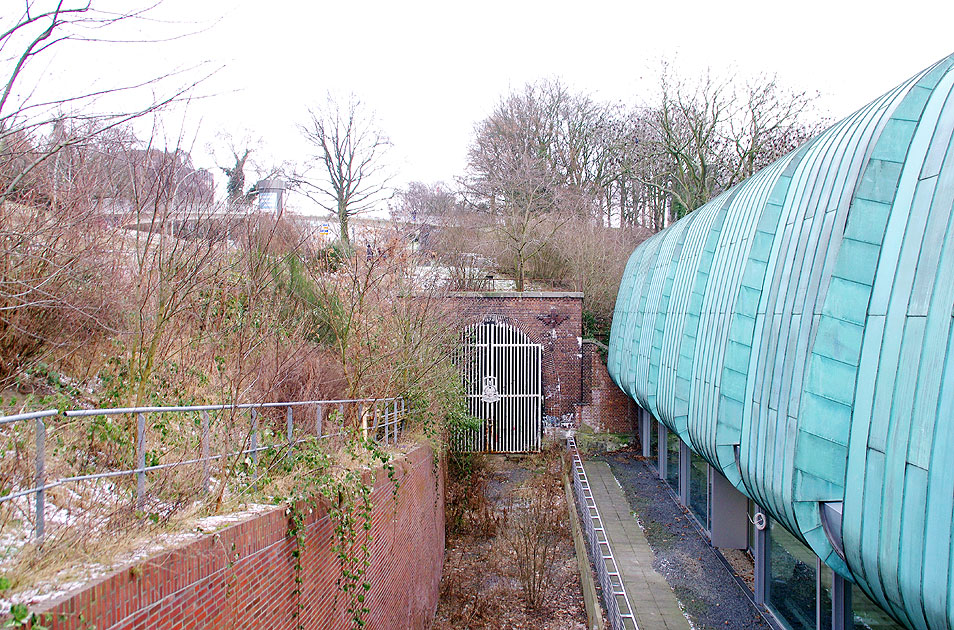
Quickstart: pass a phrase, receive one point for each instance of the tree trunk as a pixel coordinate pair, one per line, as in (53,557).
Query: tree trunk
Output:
(519,273)
(344,237)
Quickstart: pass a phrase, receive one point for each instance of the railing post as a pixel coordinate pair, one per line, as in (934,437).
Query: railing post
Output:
(290,431)
(205,452)
(318,420)
(400,421)
(364,421)
(376,408)
(254,445)
(140,460)
(394,417)
(394,420)
(387,420)
(40,479)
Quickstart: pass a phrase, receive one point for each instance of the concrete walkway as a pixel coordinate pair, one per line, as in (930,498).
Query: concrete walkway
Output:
(653,602)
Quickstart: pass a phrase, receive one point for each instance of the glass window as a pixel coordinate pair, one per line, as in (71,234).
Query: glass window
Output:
(868,615)
(792,585)
(699,488)
(654,442)
(672,460)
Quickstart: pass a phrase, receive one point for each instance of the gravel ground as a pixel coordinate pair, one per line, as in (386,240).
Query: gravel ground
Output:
(706,589)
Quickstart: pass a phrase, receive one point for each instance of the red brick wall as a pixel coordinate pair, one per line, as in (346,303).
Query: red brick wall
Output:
(554,320)
(243,577)
(606,409)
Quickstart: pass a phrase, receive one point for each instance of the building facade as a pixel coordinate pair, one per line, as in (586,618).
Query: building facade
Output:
(790,344)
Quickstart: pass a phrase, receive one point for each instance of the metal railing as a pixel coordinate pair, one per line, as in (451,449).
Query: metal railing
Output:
(380,419)
(618,609)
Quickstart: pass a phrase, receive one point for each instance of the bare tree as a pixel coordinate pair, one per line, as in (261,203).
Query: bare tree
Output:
(773,121)
(588,148)
(350,151)
(688,132)
(422,203)
(712,133)
(544,123)
(543,155)
(645,175)
(524,219)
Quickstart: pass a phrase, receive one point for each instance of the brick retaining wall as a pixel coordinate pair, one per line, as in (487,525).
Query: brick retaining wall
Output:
(606,408)
(243,577)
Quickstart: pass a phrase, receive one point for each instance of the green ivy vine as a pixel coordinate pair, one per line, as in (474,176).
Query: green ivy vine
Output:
(346,497)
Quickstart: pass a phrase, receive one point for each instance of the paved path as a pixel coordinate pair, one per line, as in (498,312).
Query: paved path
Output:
(653,601)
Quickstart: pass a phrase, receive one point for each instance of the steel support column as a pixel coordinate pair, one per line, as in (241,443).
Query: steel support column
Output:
(685,455)
(762,564)
(841,615)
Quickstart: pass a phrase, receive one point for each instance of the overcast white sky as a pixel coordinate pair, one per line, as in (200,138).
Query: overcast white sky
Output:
(432,69)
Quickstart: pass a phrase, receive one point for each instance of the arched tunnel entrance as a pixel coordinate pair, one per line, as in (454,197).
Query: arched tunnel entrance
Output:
(525,348)
(502,372)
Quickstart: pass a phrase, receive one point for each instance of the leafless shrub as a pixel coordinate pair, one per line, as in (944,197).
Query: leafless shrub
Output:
(461,245)
(57,281)
(482,585)
(595,258)
(311,374)
(466,507)
(470,601)
(534,531)
(387,333)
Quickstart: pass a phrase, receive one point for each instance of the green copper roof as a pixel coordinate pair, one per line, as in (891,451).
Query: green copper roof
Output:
(804,320)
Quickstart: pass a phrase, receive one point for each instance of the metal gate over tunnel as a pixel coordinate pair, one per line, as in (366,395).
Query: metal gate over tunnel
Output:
(501,369)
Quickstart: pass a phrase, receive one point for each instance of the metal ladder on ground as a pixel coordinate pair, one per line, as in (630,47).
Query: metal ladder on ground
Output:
(618,609)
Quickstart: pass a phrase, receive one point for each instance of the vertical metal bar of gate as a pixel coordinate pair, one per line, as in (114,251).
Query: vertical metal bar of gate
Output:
(492,349)
(500,364)
(538,404)
(507,361)
(491,369)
